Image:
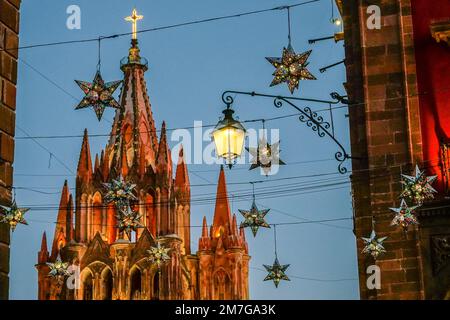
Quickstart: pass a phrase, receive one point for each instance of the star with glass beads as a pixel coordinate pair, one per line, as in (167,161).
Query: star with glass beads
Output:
(98,95)
(404,216)
(265,156)
(119,191)
(128,220)
(373,246)
(291,68)
(13,215)
(58,269)
(276,272)
(158,255)
(254,218)
(418,188)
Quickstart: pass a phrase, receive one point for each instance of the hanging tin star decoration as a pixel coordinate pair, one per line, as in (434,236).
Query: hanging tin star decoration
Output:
(13,215)
(98,95)
(404,216)
(373,246)
(291,68)
(254,218)
(58,269)
(158,255)
(418,188)
(276,272)
(128,220)
(265,156)
(119,191)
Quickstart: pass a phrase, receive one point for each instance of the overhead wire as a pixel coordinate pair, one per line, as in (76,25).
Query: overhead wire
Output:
(177,25)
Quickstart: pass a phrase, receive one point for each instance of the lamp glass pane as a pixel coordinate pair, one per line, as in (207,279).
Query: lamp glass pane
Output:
(229,142)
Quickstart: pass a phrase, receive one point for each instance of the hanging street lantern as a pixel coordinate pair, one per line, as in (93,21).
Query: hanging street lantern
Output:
(229,136)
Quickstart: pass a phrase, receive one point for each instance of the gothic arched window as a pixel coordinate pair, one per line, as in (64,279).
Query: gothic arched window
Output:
(222,286)
(88,293)
(155,287)
(107,284)
(97,214)
(135,284)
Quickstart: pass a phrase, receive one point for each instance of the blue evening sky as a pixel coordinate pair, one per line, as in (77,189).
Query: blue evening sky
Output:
(189,69)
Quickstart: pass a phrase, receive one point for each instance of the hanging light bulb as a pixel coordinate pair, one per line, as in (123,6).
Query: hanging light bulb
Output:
(229,136)
(336,21)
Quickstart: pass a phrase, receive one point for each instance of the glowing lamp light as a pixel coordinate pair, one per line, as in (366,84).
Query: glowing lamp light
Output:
(229,136)
(336,21)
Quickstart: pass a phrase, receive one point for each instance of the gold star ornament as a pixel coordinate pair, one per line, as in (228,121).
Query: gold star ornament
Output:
(254,218)
(13,215)
(291,68)
(98,95)
(276,272)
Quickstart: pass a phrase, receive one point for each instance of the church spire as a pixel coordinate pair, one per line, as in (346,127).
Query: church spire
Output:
(133,125)
(182,184)
(84,170)
(164,160)
(43,253)
(222,215)
(61,221)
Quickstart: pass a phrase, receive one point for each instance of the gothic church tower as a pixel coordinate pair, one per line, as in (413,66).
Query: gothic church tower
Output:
(112,267)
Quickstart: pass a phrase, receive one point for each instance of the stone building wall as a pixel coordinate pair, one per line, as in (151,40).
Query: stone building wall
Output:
(9,29)
(385,133)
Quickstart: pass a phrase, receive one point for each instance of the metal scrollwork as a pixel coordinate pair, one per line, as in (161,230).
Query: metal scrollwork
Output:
(342,99)
(277,102)
(341,157)
(311,118)
(314,121)
(227,99)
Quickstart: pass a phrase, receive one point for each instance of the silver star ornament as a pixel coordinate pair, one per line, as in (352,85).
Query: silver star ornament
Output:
(418,188)
(265,156)
(119,191)
(404,216)
(158,255)
(373,246)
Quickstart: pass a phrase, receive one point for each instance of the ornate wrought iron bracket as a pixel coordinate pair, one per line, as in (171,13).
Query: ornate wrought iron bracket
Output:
(311,118)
